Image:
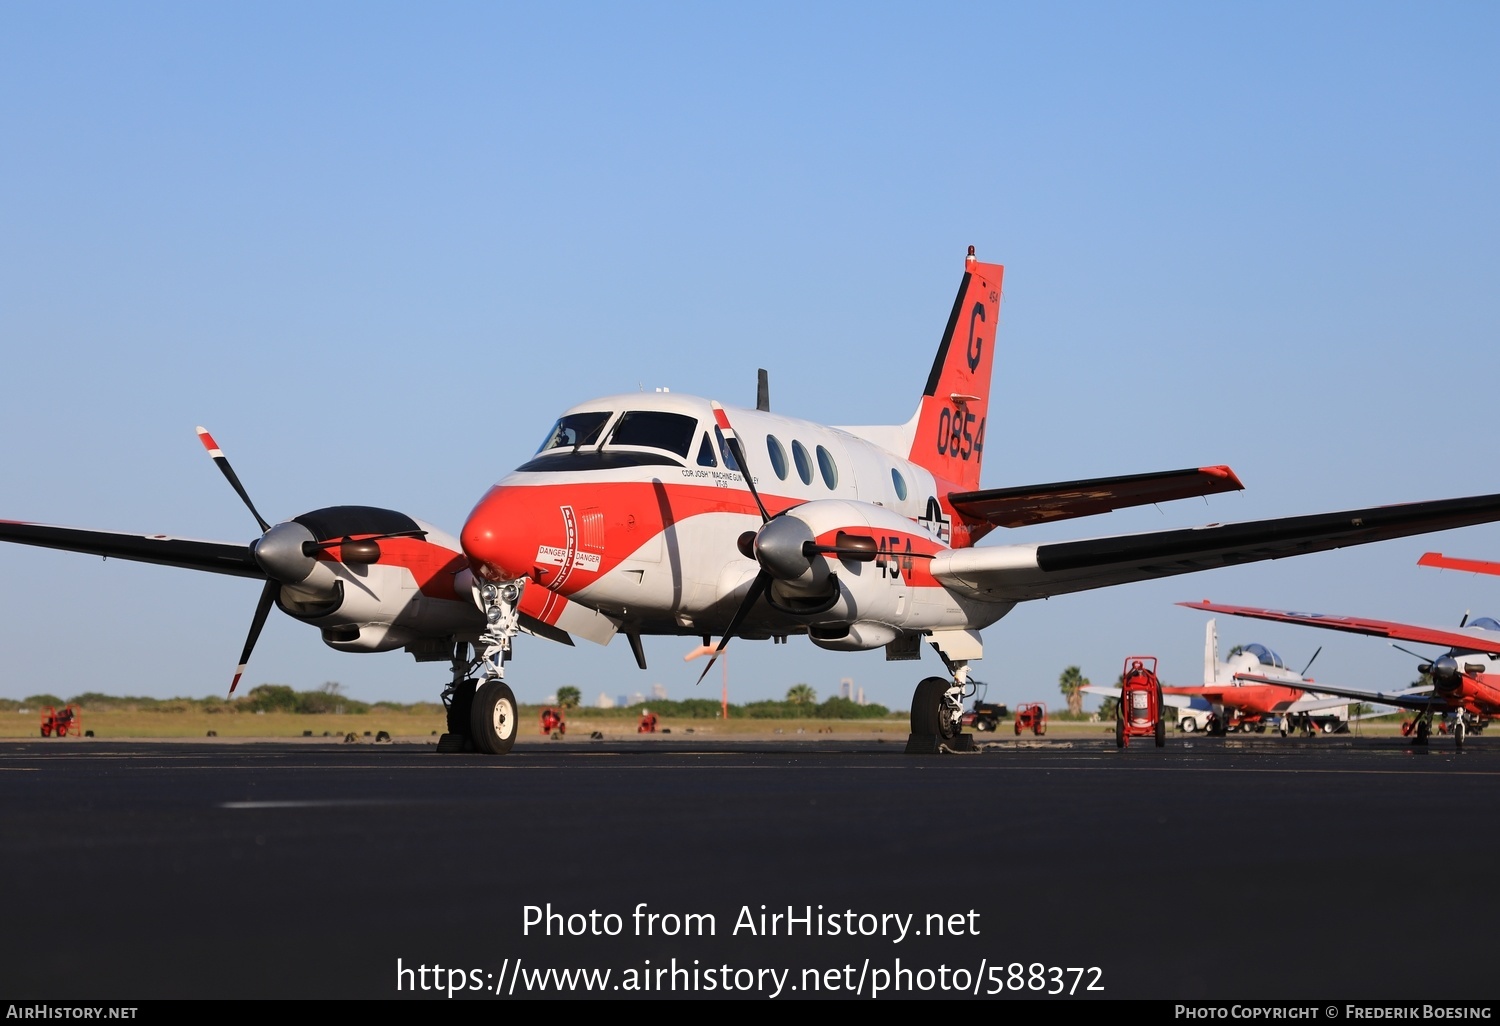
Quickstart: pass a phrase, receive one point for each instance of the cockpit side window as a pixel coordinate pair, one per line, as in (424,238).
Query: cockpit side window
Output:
(729,461)
(654,429)
(706,457)
(575,429)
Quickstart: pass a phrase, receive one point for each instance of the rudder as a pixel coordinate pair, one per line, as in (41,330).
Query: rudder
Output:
(954,410)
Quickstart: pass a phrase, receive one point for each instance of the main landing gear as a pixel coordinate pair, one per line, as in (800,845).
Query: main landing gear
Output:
(937,714)
(483,715)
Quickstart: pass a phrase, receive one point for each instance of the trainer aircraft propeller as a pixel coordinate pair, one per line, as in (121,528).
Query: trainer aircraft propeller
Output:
(649,514)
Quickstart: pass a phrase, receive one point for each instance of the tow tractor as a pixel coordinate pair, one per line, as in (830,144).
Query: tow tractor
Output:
(552,723)
(1138,713)
(61,722)
(985,716)
(1033,717)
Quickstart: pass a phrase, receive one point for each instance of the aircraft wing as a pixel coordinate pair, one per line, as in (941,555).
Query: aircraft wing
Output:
(1016,573)
(1471,640)
(232,558)
(1315,699)
(1168,698)
(1313,703)
(1405,699)
(1474,566)
(1038,504)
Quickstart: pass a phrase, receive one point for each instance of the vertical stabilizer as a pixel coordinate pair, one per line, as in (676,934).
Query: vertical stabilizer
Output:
(954,411)
(1211,654)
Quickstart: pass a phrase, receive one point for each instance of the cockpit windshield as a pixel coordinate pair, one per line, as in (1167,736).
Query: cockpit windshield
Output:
(1265,656)
(655,429)
(574,430)
(1485,623)
(608,439)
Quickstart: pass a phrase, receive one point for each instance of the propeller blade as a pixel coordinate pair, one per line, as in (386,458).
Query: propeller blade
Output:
(262,608)
(732,440)
(1415,655)
(1464,620)
(223,462)
(757,587)
(1310,662)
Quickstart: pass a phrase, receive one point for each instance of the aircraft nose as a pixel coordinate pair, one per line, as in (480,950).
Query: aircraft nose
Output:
(492,538)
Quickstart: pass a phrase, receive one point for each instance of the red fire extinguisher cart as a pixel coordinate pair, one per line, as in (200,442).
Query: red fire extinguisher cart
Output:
(1139,711)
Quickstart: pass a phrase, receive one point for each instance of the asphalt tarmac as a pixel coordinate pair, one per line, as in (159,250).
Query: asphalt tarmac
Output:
(1047,869)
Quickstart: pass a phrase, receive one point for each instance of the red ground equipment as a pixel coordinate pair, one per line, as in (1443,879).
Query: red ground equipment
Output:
(1138,713)
(1033,717)
(647,724)
(552,722)
(61,722)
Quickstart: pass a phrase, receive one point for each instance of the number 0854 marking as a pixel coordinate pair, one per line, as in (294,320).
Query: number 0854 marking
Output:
(957,434)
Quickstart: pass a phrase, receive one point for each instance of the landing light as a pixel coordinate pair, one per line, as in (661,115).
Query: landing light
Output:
(509,593)
(489,591)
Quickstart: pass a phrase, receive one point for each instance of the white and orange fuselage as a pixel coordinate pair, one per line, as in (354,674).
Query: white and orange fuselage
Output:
(649,535)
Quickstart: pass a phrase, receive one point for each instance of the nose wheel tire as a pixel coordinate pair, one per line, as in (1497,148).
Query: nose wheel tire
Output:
(492,720)
(460,706)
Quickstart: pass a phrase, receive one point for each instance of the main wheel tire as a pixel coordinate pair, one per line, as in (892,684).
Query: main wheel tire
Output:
(492,720)
(460,705)
(930,711)
(1188,724)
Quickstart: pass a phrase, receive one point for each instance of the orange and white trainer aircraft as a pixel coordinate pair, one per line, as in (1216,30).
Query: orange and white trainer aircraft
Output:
(666,514)
(1465,679)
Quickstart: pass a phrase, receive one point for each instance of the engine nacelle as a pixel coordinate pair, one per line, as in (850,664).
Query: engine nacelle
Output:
(863,562)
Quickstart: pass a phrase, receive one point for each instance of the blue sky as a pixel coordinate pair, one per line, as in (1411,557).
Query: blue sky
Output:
(376,248)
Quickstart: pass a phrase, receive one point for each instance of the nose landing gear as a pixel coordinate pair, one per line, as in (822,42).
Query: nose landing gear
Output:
(937,715)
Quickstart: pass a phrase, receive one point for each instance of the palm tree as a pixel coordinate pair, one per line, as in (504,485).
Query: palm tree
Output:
(1069,683)
(802,694)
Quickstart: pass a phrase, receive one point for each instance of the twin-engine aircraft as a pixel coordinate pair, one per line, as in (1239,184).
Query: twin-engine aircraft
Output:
(1247,691)
(666,514)
(1465,679)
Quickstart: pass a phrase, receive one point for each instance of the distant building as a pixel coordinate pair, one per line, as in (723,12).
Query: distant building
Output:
(658,691)
(604,701)
(846,688)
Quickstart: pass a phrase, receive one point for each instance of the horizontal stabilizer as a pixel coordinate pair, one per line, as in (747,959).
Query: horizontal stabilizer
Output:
(1064,500)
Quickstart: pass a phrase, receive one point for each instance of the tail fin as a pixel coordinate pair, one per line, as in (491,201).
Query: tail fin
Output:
(954,411)
(1211,654)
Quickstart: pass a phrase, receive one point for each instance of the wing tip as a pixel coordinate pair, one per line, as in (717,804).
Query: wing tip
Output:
(1224,473)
